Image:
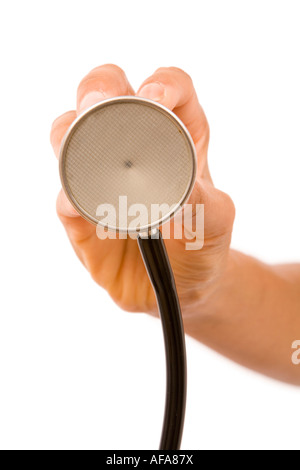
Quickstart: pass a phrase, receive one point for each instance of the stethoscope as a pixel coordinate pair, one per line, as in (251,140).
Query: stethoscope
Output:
(135,148)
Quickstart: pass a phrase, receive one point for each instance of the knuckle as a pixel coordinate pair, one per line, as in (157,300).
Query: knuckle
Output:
(122,297)
(175,71)
(201,135)
(115,69)
(182,72)
(127,306)
(63,119)
(125,303)
(59,128)
(59,204)
(104,76)
(205,133)
(229,208)
(108,68)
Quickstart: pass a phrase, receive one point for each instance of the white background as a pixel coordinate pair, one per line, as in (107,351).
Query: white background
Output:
(75,371)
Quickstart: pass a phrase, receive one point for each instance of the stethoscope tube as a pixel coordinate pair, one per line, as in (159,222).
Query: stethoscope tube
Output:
(157,263)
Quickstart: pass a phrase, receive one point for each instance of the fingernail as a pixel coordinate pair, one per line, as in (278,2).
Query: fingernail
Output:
(152,91)
(90,99)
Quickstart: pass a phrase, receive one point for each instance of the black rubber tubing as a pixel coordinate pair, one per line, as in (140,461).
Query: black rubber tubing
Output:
(157,263)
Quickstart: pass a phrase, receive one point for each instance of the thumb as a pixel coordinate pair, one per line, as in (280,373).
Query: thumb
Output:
(217,207)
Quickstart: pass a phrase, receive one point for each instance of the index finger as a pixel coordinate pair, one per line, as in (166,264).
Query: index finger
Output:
(174,88)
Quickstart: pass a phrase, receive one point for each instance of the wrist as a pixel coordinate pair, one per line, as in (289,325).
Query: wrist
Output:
(204,299)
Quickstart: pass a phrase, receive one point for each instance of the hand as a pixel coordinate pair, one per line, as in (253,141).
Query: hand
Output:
(117,265)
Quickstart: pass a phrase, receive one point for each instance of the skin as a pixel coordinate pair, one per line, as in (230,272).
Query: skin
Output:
(240,307)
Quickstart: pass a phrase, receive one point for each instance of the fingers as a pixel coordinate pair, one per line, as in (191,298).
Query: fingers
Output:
(101,83)
(64,207)
(106,81)
(76,227)
(174,88)
(59,128)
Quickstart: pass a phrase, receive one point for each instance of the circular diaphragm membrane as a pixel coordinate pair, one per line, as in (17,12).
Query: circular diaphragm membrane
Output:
(128,164)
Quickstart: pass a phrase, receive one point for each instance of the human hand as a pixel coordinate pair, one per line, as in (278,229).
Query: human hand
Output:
(117,265)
